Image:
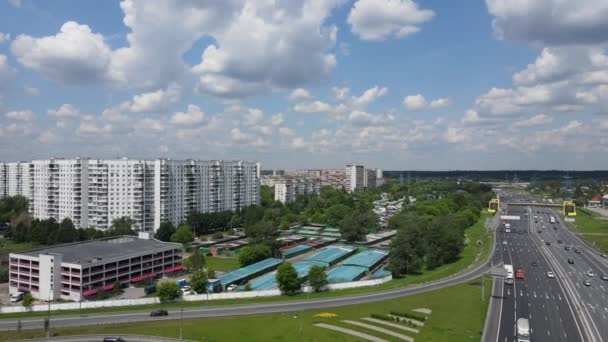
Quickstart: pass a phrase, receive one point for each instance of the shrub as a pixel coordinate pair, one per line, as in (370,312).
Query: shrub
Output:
(409,315)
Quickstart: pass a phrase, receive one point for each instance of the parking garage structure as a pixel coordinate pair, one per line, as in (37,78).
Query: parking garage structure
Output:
(76,271)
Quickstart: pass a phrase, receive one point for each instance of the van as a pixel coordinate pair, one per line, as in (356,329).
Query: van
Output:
(17,297)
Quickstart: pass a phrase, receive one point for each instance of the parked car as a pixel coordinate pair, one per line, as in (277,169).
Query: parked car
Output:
(547,243)
(587,283)
(231,288)
(604,276)
(567,248)
(559,241)
(577,251)
(157,313)
(590,273)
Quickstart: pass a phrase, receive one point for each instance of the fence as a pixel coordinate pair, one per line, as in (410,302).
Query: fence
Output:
(190,298)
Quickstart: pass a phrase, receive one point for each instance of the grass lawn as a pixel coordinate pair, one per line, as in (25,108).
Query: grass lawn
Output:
(8,246)
(592,228)
(468,256)
(222,264)
(458,315)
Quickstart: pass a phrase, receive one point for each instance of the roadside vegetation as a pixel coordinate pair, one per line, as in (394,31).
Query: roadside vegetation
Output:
(592,227)
(458,314)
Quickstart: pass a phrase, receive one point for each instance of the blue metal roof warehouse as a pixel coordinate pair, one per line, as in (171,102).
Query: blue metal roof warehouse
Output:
(248,272)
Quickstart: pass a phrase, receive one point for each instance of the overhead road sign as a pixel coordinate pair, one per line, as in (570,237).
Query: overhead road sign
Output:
(510,217)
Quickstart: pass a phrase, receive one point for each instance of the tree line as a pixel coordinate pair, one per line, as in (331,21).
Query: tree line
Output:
(431,233)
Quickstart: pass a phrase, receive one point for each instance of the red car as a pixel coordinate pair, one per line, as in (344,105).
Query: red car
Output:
(519,274)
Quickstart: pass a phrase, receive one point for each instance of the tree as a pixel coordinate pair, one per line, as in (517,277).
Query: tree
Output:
(117,289)
(183,234)
(27,300)
(210,273)
(101,294)
(198,260)
(67,231)
(287,279)
(317,278)
(262,232)
(217,236)
(121,226)
(165,231)
(199,281)
(336,213)
(253,253)
(352,227)
(266,196)
(169,291)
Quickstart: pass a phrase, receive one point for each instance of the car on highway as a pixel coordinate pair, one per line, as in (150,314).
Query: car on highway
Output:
(547,243)
(577,251)
(504,242)
(539,231)
(604,276)
(113,339)
(571,261)
(158,313)
(603,256)
(590,273)
(534,263)
(567,248)
(519,273)
(559,241)
(550,274)
(509,281)
(587,283)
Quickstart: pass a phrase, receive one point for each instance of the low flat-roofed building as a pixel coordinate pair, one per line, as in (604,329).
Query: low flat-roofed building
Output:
(77,270)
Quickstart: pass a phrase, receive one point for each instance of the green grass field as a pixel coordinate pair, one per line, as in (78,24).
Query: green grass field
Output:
(458,315)
(592,228)
(222,264)
(8,246)
(468,256)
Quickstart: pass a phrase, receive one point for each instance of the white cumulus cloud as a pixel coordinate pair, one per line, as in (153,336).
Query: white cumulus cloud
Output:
(192,116)
(381,19)
(20,115)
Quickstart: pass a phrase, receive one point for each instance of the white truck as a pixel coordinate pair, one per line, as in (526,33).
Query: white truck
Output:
(552,219)
(509,278)
(523,330)
(507,227)
(16,297)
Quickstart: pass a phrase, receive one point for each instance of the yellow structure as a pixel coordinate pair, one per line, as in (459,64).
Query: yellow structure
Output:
(569,209)
(494,205)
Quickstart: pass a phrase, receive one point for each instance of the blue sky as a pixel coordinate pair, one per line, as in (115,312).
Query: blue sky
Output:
(394,84)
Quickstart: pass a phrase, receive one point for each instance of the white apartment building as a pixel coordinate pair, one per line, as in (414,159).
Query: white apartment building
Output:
(355,177)
(287,189)
(93,193)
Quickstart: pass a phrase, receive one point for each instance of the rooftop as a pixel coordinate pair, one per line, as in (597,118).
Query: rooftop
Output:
(88,252)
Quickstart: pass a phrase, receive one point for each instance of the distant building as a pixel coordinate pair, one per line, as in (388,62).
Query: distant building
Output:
(77,270)
(595,201)
(336,178)
(355,177)
(605,201)
(93,193)
(288,188)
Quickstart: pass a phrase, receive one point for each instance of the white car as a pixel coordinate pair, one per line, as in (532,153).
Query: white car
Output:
(504,242)
(231,288)
(591,274)
(550,274)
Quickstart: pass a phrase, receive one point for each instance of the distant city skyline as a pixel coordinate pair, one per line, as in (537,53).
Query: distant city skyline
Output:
(393,84)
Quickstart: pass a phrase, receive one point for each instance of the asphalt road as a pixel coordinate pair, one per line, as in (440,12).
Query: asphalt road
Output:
(536,297)
(592,299)
(235,310)
(97,338)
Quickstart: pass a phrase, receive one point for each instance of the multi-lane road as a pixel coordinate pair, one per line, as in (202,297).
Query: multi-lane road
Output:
(560,308)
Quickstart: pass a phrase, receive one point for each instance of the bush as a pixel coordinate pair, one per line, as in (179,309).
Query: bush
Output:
(248,287)
(217,236)
(254,253)
(199,281)
(168,292)
(287,279)
(409,315)
(317,278)
(27,300)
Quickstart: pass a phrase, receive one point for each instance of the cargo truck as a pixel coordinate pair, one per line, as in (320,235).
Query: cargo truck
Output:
(523,330)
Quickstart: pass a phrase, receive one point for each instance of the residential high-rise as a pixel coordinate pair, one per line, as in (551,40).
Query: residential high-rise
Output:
(287,189)
(355,177)
(93,193)
(369,179)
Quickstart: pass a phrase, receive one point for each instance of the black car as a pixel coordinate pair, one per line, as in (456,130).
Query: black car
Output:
(577,251)
(539,231)
(157,313)
(534,264)
(559,241)
(113,339)
(571,261)
(547,243)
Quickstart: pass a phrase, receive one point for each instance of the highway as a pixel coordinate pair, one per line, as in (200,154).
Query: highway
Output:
(592,299)
(236,310)
(536,297)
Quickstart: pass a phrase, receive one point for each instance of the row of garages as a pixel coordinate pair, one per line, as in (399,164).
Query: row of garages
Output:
(342,264)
